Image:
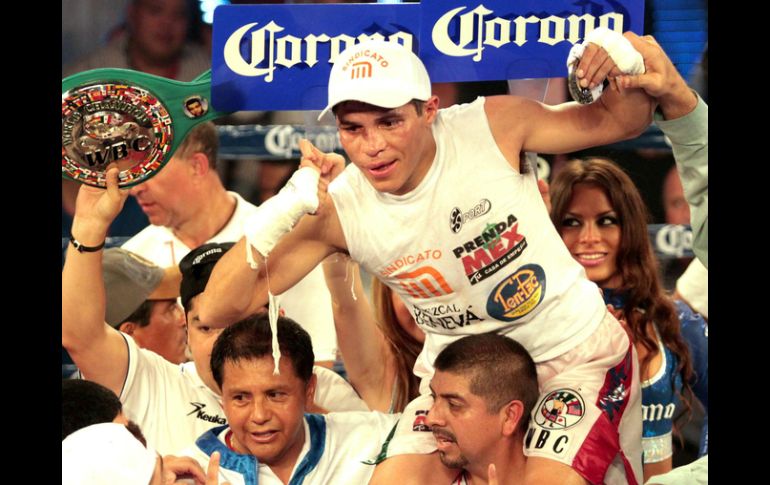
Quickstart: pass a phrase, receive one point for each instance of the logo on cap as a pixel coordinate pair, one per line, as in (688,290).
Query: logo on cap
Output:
(361,70)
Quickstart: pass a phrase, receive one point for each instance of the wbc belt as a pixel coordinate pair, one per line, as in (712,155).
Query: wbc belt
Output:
(130,118)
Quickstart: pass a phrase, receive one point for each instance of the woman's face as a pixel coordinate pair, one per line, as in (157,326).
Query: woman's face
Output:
(591,231)
(405,318)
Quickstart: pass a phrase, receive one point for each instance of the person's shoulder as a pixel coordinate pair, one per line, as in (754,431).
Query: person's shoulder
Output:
(351,177)
(364,421)
(693,326)
(146,238)
(151,359)
(451,112)
(686,314)
(241,204)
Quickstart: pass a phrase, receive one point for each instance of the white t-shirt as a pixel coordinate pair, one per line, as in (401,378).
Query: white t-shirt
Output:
(471,249)
(169,402)
(308,302)
(336,447)
(173,406)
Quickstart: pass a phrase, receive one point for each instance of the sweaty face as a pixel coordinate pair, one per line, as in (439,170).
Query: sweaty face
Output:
(465,432)
(265,411)
(393,148)
(590,229)
(166,198)
(201,337)
(159,28)
(165,334)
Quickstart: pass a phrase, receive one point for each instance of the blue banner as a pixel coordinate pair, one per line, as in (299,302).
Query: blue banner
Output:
(278,57)
(504,39)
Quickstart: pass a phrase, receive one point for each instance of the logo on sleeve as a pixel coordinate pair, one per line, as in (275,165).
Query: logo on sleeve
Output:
(518,294)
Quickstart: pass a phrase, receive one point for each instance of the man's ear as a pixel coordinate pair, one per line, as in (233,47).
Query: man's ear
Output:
(513,412)
(431,108)
(200,163)
(127,327)
(310,391)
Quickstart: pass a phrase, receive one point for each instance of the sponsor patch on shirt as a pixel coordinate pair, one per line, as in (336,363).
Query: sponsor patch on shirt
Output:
(518,294)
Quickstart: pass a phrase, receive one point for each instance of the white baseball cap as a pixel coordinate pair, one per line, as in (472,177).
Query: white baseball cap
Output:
(384,74)
(106,453)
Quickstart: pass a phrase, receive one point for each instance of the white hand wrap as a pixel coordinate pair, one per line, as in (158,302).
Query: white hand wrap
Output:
(628,60)
(277,215)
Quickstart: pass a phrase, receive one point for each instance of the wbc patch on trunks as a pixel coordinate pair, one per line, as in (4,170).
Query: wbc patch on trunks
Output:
(557,411)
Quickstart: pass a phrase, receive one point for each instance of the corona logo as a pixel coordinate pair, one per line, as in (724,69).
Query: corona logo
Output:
(477,29)
(265,49)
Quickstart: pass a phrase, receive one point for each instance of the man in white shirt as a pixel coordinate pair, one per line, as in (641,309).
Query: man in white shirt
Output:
(173,404)
(269,438)
(187,206)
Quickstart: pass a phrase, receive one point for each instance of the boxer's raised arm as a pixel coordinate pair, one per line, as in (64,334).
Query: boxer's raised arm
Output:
(520,124)
(259,263)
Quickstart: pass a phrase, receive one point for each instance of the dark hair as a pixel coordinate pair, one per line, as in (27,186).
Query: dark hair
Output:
(646,301)
(251,338)
(135,430)
(84,403)
(500,370)
(203,138)
(403,346)
(140,316)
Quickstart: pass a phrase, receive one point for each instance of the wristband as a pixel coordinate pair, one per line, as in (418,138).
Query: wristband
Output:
(81,248)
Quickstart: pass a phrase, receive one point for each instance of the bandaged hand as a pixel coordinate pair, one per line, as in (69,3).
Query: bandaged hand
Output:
(603,53)
(277,215)
(328,164)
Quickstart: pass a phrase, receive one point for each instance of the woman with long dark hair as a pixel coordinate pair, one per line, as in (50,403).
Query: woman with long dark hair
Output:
(602,219)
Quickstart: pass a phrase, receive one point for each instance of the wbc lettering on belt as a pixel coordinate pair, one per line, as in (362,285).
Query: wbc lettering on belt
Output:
(493,249)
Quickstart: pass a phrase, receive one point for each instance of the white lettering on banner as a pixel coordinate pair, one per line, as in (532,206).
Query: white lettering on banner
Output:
(475,32)
(283,140)
(287,51)
(674,240)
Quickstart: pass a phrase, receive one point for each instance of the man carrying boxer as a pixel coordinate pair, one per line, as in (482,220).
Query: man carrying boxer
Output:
(403,210)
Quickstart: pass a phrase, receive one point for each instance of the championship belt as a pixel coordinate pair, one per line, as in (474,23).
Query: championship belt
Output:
(131,118)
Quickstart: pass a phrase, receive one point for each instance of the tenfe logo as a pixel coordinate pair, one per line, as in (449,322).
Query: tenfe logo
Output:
(518,294)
